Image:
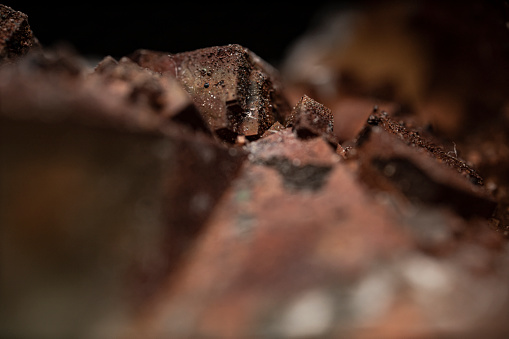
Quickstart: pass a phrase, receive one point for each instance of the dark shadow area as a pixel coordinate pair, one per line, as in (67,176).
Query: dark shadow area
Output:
(266,28)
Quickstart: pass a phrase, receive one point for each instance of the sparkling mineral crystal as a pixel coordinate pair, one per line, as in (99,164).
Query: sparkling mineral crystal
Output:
(236,92)
(310,118)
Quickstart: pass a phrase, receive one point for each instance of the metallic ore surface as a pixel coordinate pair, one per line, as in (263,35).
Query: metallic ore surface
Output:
(235,91)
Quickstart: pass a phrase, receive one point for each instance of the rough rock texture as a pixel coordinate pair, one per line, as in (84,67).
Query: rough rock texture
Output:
(310,119)
(177,196)
(162,94)
(235,91)
(390,154)
(16,37)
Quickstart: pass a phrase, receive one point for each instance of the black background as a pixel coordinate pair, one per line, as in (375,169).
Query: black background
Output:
(267,28)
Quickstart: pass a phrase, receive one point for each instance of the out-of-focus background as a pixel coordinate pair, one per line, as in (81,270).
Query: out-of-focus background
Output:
(98,29)
(430,56)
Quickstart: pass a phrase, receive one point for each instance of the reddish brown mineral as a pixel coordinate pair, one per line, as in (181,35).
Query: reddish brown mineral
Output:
(414,139)
(177,196)
(159,93)
(235,91)
(310,119)
(101,170)
(390,154)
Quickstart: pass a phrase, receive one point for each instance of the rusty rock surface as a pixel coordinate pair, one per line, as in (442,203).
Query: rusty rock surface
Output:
(300,246)
(390,154)
(236,92)
(161,94)
(287,228)
(106,179)
(178,196)
(68,88)
(414,139)
(310,119)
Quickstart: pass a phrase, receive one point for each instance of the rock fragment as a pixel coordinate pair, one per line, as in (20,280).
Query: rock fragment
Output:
(302,164)
(236,92)
(160,94)
(156,61)
(16,37)
(394,157)
(310,119)
(68,88)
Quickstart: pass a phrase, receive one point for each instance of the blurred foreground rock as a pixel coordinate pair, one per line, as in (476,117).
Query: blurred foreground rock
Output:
(103,190)
(311,243)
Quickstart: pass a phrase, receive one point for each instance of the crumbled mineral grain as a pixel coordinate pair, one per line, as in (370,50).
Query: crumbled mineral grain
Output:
(16,37)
